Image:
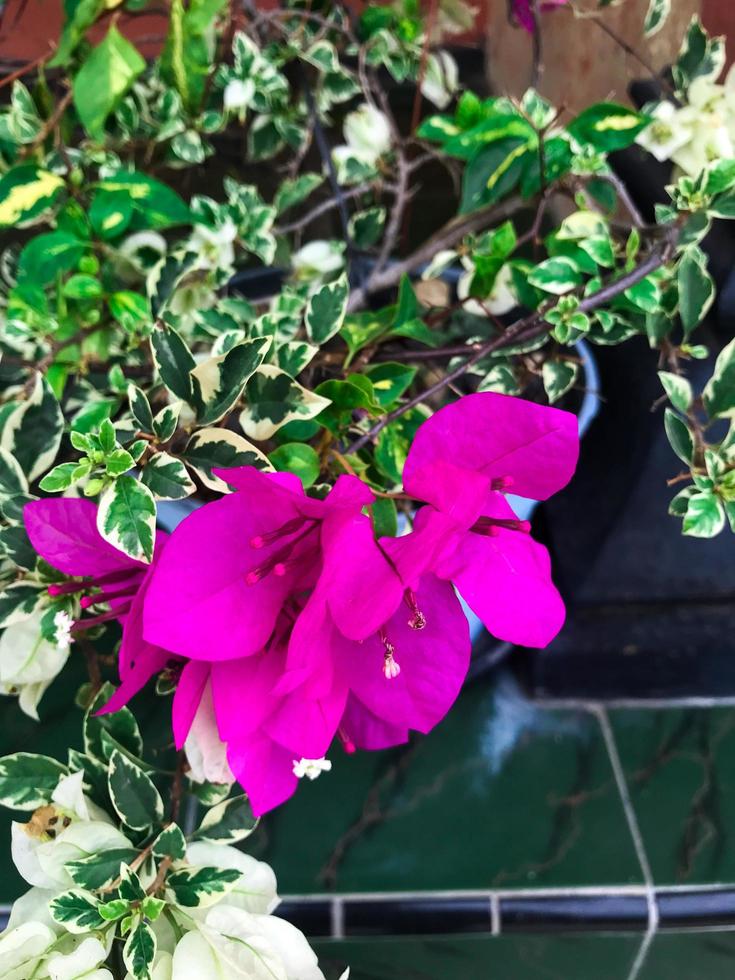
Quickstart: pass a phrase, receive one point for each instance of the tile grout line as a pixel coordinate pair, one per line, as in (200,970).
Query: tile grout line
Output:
(635,833)
(495,924)
(337,911)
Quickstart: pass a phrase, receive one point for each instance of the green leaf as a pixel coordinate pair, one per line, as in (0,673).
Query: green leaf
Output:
(719,392)
(140,951)
(678,390)
(211,449)
(33,430)
(679,436)
(493,172)
(165,421)
(121,725)
(98,871)
(16,546)
(170,843)
(135,798)
(166,478)
(705,516)
(131,310)
(19,600)
(77,911)
(82,287)
(273,398)
(158,205)
(366,226)
(114,910)
(384,517)
(326,310)
(104,78)
(188,54)
(117,462)
(79,17)
(696,288)
(127,518)
(298,458)
(293,357)
(556,275)
(27,194)
(558,377)
(658,11)
(12,477)
(195,887)
(607,126)
(699,57)
(293,192)
(61,477)
(389,381)
(140,408)
(394,443)
(27,780)
(110,213)
(218,382)
(47,256)
(174,361)
(227,822)
(130,888)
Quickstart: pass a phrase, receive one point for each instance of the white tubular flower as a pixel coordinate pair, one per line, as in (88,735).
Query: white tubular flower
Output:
(311,768)
(22,949)
(317,259)
(501,300)
(205,752)
(69,828)
(441,79)
(232,943)
(667,133)
(63,623)
(367,132)
(28,663)
(82,961)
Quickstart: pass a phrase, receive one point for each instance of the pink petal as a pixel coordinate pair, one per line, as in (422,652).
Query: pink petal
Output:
(366,731)
(361,587)
(285,489)
(242,691)
(496,436)
(433,662)
(264,769)
(506,581)
(199,603)
(64,532)
(349,492)
(413,554)
(188,696)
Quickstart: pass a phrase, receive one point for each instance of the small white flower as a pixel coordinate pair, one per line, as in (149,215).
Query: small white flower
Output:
(63,623)
(311,768)
(215,247)
(238,94)
(440,79)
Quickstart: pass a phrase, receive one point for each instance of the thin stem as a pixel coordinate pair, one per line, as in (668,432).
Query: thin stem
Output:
(643,61)
(525,329)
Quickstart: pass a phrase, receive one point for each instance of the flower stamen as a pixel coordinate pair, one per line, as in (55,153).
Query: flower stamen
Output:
(502,483)
(391,667)
(491,526)
(417,620)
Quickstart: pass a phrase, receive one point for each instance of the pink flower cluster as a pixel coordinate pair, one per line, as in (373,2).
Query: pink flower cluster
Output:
(298,625)
(524,13)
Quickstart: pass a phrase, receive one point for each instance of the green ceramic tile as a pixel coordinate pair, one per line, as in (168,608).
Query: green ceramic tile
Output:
(679,768)
(500,795)
(519,957)
(691,956)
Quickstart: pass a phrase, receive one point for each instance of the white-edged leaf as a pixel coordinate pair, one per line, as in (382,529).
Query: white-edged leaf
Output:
(126,518)
(214,448)
(33,430)
(678,389)
(658,11)
(27,780)
(77,911)
(136,800)
(167,478)
(326,310)
(228,822)
(140,950)
(273,398)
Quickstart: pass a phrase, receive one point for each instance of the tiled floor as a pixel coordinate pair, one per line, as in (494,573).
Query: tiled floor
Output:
(513,803)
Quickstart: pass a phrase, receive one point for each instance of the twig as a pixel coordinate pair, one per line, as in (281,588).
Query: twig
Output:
(537,64)
(527,328)
(643,61)
(328,205)
(26,68)
(446,237)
